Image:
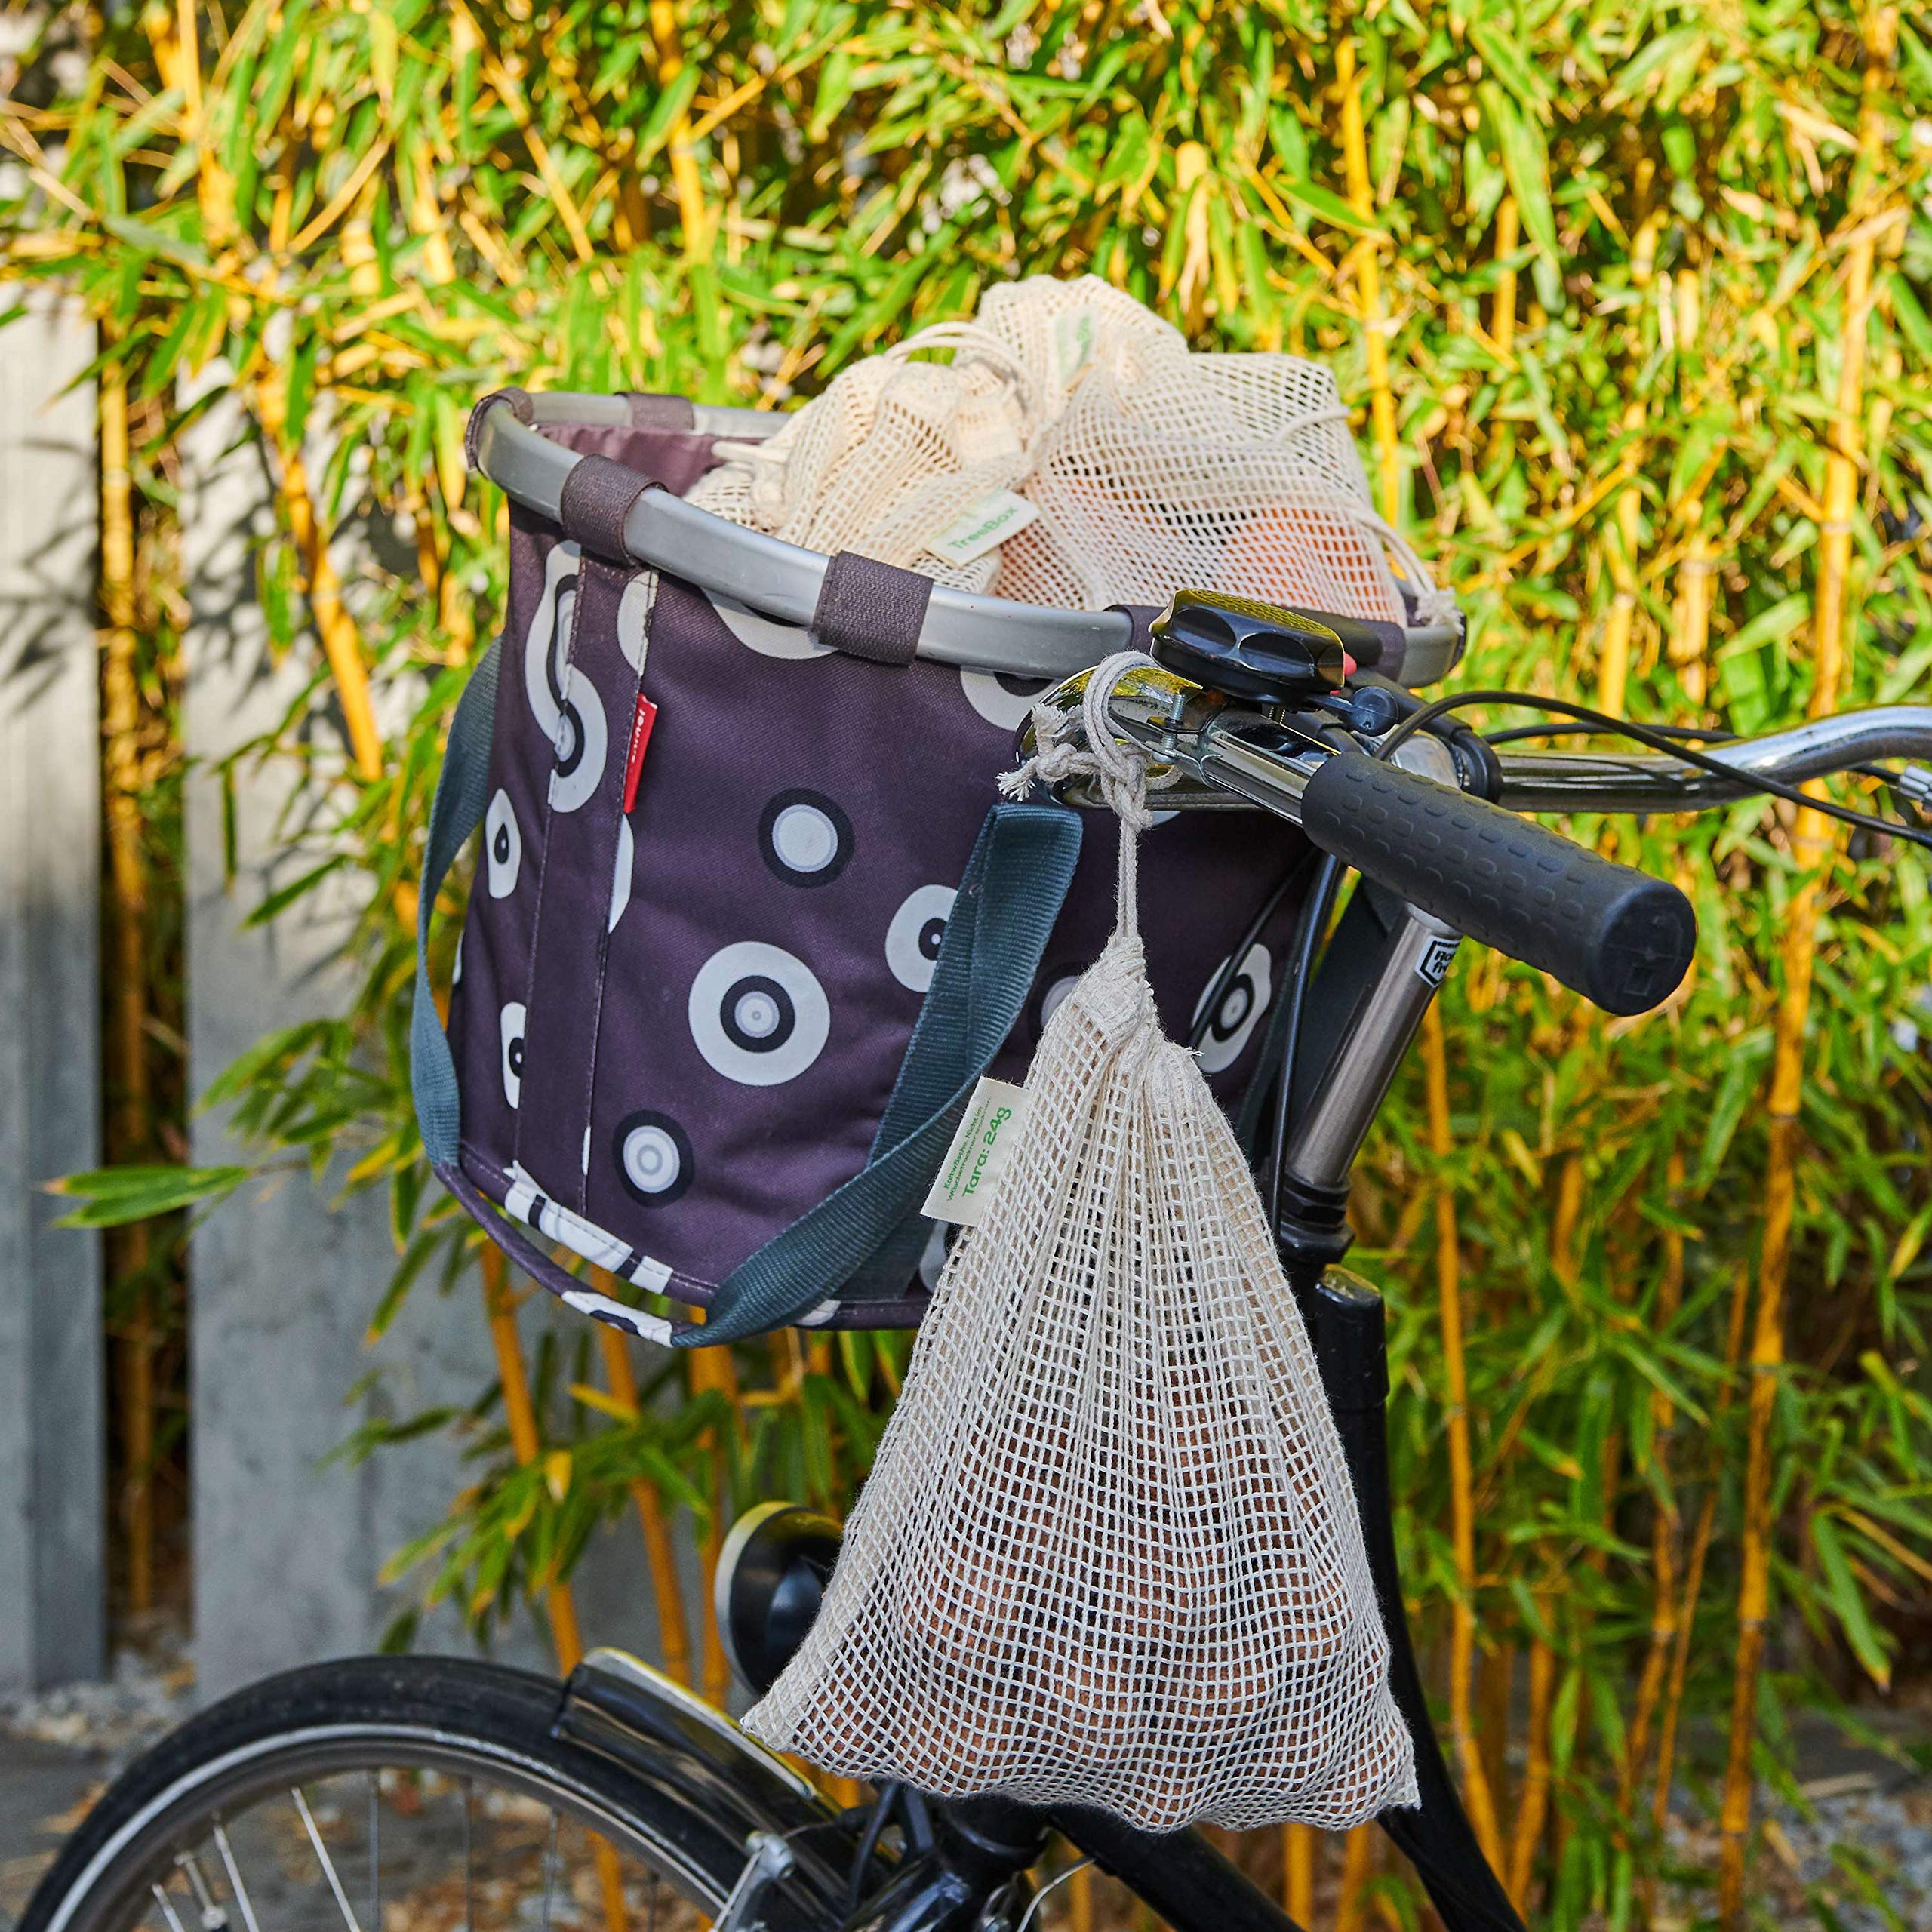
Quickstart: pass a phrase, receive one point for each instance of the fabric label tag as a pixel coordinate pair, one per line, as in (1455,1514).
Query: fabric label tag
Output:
(969,1176)
(1073,344)
(645,717)
(994,518)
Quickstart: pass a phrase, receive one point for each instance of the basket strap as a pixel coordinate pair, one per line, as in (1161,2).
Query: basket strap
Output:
(463,790)
(1015,885)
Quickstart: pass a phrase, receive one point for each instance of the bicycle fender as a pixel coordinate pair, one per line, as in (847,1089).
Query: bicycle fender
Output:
(693,1755)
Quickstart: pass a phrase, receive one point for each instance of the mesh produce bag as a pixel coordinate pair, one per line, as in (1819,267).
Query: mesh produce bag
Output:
(1109,1553)
(1074,452)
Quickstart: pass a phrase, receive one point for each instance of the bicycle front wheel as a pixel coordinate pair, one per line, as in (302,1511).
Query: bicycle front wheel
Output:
(388,1795)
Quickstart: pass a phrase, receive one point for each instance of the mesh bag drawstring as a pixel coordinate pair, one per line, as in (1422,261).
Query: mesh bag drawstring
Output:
(1108,1554)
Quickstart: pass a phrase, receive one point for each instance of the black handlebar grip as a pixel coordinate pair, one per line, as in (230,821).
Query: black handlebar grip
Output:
(1616,936)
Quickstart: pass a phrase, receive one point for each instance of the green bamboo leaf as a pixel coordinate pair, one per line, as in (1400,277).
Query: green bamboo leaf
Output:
(1501,49)
(1847,1602)
(1525,163)
(671,102)
(113,1197)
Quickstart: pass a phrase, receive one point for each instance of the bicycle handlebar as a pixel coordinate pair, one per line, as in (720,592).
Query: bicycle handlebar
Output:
(1616,935)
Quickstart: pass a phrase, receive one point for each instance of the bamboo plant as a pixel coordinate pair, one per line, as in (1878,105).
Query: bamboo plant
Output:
(1632,304)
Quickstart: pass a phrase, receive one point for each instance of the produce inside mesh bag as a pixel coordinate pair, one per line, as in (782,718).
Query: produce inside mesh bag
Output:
(1108,1554)
(1075,452)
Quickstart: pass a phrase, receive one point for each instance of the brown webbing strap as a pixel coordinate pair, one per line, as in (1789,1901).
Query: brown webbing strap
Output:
(516,400)
(597,496)
(1141,617)
(660,412)
(871,609)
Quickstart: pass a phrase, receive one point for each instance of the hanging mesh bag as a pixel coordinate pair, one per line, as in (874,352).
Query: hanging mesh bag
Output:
(1109,1553)
(1075,452)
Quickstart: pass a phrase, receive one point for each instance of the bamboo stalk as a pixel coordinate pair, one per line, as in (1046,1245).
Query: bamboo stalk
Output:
(1079,1899)
(342,645)
(1368,282)
(520,1412)
(1535,1809)
(1811,850)
(714,1369)
(673,1630)
(1502,316)
(667,37)
(1298,1873)
(1667,1522)
(1359,1851)
(1475,1783)
(566,1633)
(1613,653)
(1693,1574)
(1462,1502)
(1496,1679)
(121,708)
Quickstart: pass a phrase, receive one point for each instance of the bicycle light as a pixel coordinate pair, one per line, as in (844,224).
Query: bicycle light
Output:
(1265,653)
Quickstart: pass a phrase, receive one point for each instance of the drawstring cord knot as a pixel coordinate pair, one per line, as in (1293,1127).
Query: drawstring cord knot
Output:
(1120,771)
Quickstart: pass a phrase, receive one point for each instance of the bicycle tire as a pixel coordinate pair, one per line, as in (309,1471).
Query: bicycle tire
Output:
(455,1716)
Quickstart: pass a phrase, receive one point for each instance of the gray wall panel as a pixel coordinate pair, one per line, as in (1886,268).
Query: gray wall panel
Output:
(52,1584)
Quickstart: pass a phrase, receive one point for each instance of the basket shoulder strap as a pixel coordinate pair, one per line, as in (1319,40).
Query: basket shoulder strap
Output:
(1015,885)
(463,790)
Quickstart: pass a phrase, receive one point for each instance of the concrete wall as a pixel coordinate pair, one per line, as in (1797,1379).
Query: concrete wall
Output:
(52,1585)
(284,1276)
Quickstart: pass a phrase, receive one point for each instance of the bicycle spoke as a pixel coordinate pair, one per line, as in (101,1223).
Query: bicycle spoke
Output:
(468,1861)
(327,1863)
(166,1910)
(234,1871)
(550,1870)
(375,1853)
(213,1919)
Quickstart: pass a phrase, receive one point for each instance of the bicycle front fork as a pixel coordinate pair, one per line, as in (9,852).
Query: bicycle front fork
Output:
(1347,1326)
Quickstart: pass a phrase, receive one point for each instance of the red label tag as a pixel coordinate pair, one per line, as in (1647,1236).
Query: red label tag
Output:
(641,724)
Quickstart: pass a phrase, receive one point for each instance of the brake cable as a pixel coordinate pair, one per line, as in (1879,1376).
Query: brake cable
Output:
(1665,741)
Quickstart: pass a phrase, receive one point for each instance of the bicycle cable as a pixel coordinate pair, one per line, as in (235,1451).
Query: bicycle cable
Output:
(1694,734)
(1218,987)
(1667,742)
(1309,927)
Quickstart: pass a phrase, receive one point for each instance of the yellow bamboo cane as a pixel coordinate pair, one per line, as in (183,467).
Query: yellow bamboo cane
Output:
(1502,317)
(1359,1851)
(667,36)
(120,716)
(1809,849)
(1462,1503)
(1614,654)
(1535,1807)
(1381,416)
(1298,1844)
(1368,282)
(526,1443)
(1693,1574)
(1079,1899)
(1666,1523)
(673,1631)
(714,1370)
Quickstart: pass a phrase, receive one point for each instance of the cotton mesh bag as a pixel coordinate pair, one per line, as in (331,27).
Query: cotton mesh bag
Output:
(1109,1553)
(1075,452)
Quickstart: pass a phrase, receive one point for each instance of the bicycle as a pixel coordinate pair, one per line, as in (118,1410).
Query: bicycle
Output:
(620,1793)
